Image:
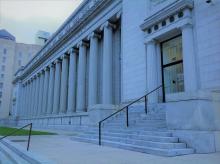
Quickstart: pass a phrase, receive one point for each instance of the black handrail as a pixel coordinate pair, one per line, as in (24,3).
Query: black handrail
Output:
(15,131)
(126,107)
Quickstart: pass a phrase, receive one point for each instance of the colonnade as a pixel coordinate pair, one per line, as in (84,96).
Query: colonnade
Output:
(60,87)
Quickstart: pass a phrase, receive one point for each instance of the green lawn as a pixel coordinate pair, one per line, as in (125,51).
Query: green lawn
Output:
(6,130)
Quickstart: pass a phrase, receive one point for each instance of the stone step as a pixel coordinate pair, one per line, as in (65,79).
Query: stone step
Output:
(143,149)
(140,123)
(125,133)
(130,134)
(140,142)
(137,137)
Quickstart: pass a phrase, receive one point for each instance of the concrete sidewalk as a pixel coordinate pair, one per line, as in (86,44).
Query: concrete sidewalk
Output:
(62,150)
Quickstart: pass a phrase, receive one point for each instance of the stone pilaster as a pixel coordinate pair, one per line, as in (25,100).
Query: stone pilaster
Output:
(151,71)
(189,65)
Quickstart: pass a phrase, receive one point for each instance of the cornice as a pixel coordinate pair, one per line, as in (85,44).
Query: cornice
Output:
(76,19)
(166,12)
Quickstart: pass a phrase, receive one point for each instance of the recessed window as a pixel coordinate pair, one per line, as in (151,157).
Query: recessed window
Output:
(20,54)
(149,30)
(1,85)
(3,59)
(4,51)
(2,75)
(3,67)
(19,62)
(0,94)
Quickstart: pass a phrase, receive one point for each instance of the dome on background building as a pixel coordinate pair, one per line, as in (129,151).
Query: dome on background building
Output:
(4,34)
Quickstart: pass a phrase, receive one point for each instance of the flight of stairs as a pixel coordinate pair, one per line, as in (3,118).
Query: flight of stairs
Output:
(146,133)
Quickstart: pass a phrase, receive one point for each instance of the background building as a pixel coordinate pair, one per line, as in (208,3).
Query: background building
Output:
(41,37)
(12,56)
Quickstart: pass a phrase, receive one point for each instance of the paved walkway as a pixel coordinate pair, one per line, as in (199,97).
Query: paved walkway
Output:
(62,150)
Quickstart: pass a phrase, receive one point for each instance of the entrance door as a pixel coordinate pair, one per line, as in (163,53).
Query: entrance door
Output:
(172,65)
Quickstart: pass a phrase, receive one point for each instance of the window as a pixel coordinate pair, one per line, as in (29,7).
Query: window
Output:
(19,63)
(3,67)
(2,75)
(3,59)
(5,51)
(20,55)
(0,94)
(1,85)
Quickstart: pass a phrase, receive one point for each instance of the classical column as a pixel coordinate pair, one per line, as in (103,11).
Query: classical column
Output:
(30,97)
(18,108)
(64,84)
(107,64)
(81,80)
(56,100)
(151,70)
(51,89)
(41,92)
(93,71)
(37,94)
(45,96)
(189,65)
(72,81)
(25,100)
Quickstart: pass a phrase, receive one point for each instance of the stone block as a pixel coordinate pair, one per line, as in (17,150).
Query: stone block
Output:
(190,112)
(66,121)
(75,120)
(99,112)
(217,141)
(85,120)
(201,141)
(216,108)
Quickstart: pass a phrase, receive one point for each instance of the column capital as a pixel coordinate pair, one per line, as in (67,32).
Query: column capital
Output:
(57,61)
(94,35)
(38,74)
(51,65)
(64,56)
(73,50)
(118,15)
(82,43)
(150,42)
(187,25)
(108,24)
(46,68)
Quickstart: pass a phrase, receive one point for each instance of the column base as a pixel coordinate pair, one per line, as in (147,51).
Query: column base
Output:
(100,111)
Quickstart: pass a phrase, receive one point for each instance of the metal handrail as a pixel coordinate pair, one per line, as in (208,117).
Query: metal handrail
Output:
(15,131)
(126,107)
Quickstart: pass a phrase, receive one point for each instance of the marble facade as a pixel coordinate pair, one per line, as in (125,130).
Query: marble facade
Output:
(109,52)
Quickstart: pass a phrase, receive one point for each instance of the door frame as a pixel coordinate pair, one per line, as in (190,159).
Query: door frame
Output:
(166,65)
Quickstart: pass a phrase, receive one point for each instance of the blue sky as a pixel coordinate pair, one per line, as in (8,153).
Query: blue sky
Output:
(23,18)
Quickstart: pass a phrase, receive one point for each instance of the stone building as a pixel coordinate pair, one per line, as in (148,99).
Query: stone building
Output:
(13,55)
(109,53)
